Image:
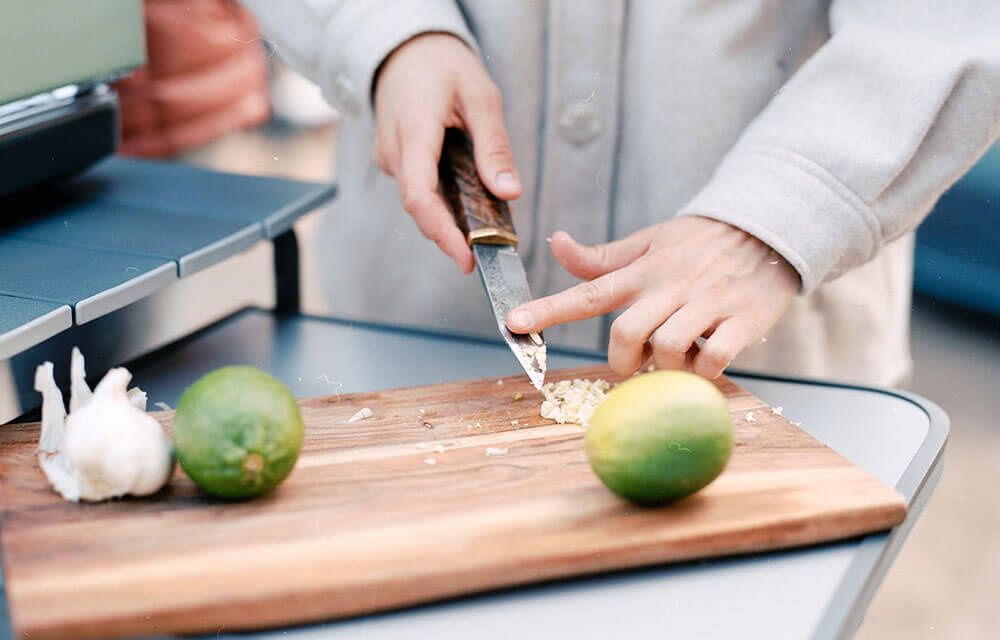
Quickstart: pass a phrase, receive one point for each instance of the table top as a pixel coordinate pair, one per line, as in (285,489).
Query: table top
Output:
(816,592)
(123,230)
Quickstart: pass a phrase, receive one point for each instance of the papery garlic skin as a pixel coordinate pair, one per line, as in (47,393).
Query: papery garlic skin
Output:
(107,446)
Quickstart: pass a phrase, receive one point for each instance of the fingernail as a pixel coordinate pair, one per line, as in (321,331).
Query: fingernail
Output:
(506,180)
(521,319)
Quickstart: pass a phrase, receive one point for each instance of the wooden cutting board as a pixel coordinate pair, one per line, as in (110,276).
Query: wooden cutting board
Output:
(366,522)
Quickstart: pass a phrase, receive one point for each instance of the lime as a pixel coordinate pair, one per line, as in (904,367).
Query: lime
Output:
(237,432)
(660,436)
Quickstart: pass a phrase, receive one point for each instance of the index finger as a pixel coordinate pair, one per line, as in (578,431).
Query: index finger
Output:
(418,188)
(588,299)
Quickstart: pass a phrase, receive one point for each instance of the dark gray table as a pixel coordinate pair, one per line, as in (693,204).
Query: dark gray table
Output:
(127,228)
(818,592)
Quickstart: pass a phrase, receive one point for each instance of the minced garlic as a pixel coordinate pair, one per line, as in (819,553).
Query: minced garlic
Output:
(573,401)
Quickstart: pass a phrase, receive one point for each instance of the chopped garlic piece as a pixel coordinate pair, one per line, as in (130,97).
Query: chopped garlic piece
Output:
(513,422)
(439,448)
(478,425)
(537,339)
(573,401)
(499,382)
(496,451)
(797,424)
(423,445)
(162,405)
(749,417)
(777,410)
(430,461)
(540,357)
(80,393)
(363,413)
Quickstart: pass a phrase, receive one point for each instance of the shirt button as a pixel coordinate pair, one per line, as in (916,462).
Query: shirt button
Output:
(580,122)
(345,93)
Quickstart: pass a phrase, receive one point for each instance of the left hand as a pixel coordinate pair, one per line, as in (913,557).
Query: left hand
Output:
(682,279)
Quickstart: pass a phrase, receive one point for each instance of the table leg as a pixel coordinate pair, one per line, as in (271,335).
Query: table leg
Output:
(288,297)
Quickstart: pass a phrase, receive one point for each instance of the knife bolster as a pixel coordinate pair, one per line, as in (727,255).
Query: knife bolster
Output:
(491,235)
(481,216)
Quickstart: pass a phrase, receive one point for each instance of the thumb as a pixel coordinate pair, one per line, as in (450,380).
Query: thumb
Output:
(588,263)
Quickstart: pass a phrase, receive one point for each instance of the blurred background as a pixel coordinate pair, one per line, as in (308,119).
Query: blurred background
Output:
(214,99)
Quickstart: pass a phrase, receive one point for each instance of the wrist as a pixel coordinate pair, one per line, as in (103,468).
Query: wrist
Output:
(430,40)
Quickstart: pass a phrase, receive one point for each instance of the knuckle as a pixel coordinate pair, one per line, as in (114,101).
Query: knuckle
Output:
(490,96)
(668,345)
(498,146)
(625,333)
(413,200)
(589,296)
(435,234)
(380,160)
(601,254)
(716,357)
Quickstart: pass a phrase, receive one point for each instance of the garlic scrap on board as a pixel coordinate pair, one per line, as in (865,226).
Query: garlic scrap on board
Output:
(107,446)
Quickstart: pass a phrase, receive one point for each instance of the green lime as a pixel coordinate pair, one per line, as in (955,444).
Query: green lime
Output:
(237,432)
(660,436)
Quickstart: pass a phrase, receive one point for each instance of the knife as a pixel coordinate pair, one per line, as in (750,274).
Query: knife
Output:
(486,222)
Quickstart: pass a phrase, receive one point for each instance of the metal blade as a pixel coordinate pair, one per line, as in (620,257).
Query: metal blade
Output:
(506,286)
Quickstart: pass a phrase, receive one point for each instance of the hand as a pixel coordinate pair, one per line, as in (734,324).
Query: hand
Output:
(432,82)
(687,278)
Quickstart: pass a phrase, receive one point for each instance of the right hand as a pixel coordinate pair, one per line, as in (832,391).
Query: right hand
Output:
(428,84)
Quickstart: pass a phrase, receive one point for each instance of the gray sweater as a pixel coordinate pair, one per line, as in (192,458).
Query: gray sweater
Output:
(826,129)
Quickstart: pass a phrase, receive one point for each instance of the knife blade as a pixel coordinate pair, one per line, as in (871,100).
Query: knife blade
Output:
(486,222)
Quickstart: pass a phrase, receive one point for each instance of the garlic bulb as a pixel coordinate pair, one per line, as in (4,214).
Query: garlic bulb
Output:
(107,446)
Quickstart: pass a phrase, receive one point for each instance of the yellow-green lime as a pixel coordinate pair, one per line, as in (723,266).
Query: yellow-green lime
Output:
(237,432)
(660,436)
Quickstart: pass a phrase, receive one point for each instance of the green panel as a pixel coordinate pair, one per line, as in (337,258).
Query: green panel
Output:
(46,44)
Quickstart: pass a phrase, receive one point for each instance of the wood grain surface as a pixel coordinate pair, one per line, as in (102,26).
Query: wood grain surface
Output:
(365,523)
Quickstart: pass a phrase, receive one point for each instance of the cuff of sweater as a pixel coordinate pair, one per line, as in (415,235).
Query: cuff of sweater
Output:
(799,209)
(365,33)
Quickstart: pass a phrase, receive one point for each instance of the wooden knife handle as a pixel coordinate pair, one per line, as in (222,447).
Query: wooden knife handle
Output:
(480,215)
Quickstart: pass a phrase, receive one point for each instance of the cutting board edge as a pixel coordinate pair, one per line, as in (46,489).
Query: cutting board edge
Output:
(446,587)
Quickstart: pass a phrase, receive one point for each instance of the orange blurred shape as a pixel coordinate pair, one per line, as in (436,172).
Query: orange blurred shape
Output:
(206,75)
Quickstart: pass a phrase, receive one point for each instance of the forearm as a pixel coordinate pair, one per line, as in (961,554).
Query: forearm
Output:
(856,148)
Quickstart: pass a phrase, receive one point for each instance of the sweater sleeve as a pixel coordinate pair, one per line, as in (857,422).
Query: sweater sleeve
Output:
(856,148)
(339,44)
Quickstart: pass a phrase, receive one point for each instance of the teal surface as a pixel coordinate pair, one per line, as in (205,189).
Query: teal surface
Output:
(24,323)
(181,189)
(958,246)
(56,273)
(91,241)
(20,311)
(130,229)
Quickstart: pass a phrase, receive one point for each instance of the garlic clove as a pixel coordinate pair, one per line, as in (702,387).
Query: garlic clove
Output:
(53,410)
(79,392)
(138,398)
